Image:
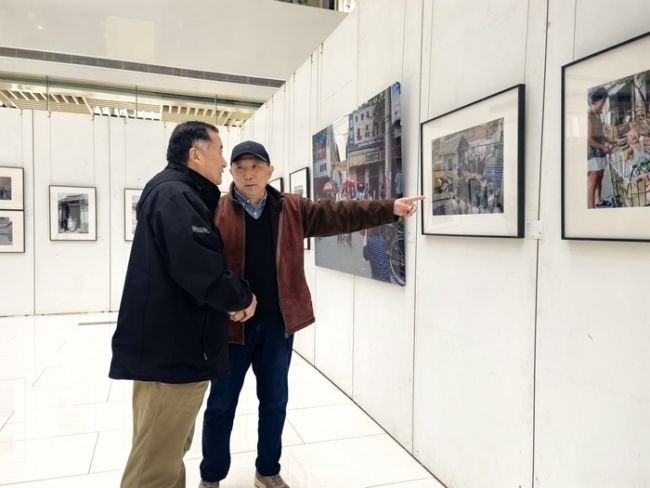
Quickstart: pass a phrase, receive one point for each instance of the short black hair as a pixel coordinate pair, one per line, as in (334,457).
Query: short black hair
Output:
(184,137)
(598,94)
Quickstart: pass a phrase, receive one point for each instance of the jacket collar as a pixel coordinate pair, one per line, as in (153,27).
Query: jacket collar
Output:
(273,196)
(208,191)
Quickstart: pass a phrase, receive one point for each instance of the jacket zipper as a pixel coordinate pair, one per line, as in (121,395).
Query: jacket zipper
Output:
(277,269)
(205,321)
(243,264)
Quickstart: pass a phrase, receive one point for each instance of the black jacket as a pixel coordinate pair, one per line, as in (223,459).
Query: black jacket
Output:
(172,325)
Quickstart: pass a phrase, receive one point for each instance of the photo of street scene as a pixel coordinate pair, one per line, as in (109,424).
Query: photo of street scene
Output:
(359,157)
(467,171)
(618,143)
(73,213)
(6,232)
(5,188)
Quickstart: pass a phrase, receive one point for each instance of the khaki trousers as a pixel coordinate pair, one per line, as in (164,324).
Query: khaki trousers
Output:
(163,426)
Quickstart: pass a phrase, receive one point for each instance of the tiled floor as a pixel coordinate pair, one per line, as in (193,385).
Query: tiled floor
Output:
(64,423)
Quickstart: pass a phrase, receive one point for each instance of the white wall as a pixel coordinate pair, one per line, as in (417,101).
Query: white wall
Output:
(493,365)
(592,390)
(109,154)
(17,270)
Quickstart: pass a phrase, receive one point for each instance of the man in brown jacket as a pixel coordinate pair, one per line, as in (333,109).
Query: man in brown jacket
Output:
(263,232)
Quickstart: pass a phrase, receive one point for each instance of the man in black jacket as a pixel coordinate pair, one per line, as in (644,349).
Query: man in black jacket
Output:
(172,334)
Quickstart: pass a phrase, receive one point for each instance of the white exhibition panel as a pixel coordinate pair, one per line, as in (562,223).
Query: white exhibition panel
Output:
(230,137)
(338,75)
(475,297)
(17,287)
(76,150)
(336,96)
(381,50)
(334,303)
(71,150)
(138,152)
(592,391)
(477,49)
(299,120)
(120,249)
(276,146)
(299,126)
(260,126)
(383,335)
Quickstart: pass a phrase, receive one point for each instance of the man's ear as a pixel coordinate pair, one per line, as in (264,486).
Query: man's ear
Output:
(271,168)
(194,155)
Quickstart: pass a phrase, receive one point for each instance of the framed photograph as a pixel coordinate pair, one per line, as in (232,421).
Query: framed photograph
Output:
(359,157)
(73,213)
(299,184)
(12,231)
(278,184)
(131,199)
(606,144)
(473,168)
(11,188)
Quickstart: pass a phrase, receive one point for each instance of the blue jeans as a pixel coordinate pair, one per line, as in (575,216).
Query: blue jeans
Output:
(269,351)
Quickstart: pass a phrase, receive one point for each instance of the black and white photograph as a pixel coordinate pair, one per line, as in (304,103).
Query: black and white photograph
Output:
(299,184)
(278,184)
(359,157)
(12,231)
(606,144)
(131,199)
(73,213)
(473,168)
(11,188)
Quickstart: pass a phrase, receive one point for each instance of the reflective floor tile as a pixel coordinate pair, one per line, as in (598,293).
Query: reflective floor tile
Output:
(332,422)
(66,420)
(42,459)
(427,483)
(351,463)
(316,394)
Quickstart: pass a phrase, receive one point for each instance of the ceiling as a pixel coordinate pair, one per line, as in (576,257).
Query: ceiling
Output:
(113,101)
(144,59)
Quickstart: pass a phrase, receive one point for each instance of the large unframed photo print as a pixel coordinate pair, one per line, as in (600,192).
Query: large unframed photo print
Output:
(606,144)
(11,188)
(473,168)
(359,157)
(73,213)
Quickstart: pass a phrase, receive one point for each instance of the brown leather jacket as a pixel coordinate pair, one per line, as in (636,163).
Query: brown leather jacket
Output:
(294,218)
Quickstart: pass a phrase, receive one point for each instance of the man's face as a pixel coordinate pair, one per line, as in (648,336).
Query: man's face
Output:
(251,175)
(208,157)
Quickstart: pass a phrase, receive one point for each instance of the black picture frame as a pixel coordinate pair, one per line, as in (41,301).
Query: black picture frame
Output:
(12,191)
(607,91)
(81,221)
(278,184)
(476,185)
(12,231)
(299,183)
(131,198)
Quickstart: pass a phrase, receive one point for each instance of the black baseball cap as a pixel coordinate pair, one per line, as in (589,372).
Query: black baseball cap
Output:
(249,147)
